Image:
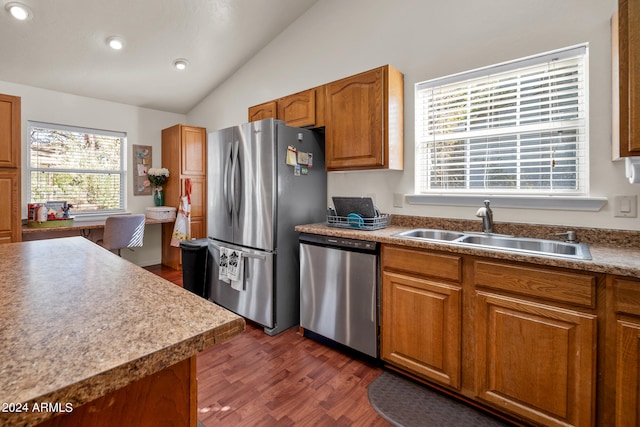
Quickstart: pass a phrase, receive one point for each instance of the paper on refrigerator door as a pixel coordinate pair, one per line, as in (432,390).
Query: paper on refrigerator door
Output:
(292,158)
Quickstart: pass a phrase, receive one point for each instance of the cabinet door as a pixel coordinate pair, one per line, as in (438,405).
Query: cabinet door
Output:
(536,360)
(626,50)
(194,154)
(627,373)
(268,110)
(171,159)
(198,229)
(355,121)
(10,136)
(633,49)
(10,229)
(626,354)
(184,153)
(298,109)
(198,203)
(421,327)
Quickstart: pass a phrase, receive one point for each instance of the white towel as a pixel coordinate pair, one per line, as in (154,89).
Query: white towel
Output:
(231,268)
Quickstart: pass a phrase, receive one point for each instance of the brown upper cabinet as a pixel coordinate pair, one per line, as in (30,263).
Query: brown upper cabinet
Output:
(365,121)
(626,84)
(363,118)
(268,110)
(9,131)
(298,109)
(10,200)
(302,109)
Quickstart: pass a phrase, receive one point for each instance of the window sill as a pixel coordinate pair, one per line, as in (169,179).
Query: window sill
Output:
(101,216)
(570,203)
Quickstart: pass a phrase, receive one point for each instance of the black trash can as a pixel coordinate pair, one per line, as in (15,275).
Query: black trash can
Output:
(194,265)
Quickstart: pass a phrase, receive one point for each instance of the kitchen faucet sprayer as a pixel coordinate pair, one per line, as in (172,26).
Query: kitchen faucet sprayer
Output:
(487,217)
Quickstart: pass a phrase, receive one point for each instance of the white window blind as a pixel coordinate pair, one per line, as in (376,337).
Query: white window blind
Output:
(85,167)
(514,128)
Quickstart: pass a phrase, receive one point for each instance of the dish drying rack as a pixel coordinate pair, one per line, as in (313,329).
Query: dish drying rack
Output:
(359,222)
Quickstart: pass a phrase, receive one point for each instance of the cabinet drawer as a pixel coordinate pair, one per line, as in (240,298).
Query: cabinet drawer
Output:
(429,264)
(552,285)
(626,296)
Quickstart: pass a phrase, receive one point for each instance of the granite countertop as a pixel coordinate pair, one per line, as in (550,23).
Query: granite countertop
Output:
(613,252)
(78,322)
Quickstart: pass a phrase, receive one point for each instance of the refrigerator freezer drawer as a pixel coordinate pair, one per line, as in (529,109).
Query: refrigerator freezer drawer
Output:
(255,302)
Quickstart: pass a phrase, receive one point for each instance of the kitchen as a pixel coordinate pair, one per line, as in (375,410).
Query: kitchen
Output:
(335,39)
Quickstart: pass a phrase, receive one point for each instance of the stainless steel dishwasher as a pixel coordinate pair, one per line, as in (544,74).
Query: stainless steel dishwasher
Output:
(339,290)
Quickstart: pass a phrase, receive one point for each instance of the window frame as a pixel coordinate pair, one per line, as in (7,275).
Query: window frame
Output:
(121,172)
(421,195)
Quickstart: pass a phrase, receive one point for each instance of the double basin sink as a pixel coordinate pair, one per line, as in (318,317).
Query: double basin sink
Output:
(543,247)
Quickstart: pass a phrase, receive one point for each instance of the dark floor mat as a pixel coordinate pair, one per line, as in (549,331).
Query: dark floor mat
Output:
(405,403)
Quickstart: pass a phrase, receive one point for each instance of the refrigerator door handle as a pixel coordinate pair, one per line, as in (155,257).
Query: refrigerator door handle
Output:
(235,170)
(225,184)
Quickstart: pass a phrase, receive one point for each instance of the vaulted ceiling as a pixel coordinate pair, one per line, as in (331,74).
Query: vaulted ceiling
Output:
(62,46)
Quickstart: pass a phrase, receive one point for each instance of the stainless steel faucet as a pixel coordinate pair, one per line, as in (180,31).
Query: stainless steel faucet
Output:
(570,236)
(487,217)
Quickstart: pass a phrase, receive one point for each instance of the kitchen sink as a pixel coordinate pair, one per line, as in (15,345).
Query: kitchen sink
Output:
(537,246)
(425,233)
(552,248)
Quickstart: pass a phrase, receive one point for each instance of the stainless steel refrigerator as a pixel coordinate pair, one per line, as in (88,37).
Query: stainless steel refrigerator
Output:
(264,178)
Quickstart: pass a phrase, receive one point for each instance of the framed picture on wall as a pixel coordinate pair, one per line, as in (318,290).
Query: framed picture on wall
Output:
(141,163)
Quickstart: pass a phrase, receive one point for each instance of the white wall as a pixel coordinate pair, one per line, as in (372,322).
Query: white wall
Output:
(429,39)
(142,126)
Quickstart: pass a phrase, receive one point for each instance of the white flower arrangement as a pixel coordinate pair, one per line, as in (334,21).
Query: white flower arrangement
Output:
(158,176)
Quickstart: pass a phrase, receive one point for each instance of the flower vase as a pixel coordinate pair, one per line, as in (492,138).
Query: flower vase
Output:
(158,196)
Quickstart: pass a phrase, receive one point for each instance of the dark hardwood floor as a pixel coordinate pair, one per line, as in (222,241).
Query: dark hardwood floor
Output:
(258,380)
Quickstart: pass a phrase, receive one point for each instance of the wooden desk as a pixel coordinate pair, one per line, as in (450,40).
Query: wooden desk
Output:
(91,230)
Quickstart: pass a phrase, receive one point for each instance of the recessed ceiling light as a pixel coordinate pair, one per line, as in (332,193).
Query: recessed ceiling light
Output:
(115,43)
(18,11)
(180,64)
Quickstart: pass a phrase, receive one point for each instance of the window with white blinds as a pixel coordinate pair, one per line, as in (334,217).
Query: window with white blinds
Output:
(514,128)
(85,167)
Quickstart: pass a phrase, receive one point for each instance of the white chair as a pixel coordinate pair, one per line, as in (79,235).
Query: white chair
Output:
(123,231)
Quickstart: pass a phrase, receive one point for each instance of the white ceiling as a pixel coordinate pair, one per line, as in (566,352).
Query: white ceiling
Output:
(63,47)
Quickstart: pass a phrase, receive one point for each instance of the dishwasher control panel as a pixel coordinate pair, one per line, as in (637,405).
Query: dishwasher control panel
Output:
(340,242)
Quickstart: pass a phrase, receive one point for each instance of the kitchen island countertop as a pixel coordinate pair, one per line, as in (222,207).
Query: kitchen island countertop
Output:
(78,322)
(606,258)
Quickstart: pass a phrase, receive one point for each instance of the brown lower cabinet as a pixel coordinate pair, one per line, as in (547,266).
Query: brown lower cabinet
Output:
(166,398)
(623,342)
(10,229)
(544,345)
(536,360)
(426,305)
